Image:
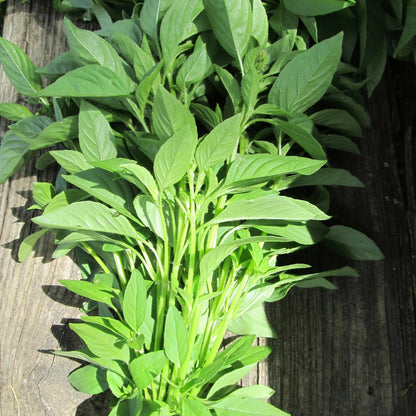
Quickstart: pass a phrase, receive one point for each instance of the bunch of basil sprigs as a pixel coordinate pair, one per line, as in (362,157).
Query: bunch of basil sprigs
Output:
(185,136)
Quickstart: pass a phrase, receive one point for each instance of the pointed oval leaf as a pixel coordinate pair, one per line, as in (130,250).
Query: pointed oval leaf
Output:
(351,243)
(305,79)
(14,111)
(170,115)
(175,337)
(174,158)
(87,216)
(89,379)
(315,7)
(87,81)
(12,152)
(96,138)
(147,367)
(19,69)
(71,160)
(271,207)
(219,144)
(134,301)
(231,22)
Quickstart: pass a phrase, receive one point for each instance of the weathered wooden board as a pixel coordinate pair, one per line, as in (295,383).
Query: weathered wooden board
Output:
(353,351)
(32,383)
(343,353)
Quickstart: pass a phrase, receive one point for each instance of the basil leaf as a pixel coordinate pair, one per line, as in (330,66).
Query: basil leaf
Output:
(170,115)
(147,367)
(89,379)
(19,69)
(71,160)
(219,144)
(241,406)
(14,112)
(175,337)
(351,243)
(305,79)
(12,151)
(87,216)
(175,23)
(315,7)
(57,132)
(270,207)
(96,138)
(102,342)
(134,301)
(174,158)
(87,81)
(231,22)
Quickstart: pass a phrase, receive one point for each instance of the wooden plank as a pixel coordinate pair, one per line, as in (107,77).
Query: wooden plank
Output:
(352,351)
(32,382)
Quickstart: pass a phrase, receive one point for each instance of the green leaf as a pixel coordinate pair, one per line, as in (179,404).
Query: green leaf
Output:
(89,48)
(175,23)
(194,407)
(147,367)
(219,144)
(148,213)
(302,137)
(240,406)
(175,337)
(111,324)
(58,66)
(260,27)
(196,67)
(316,7)
(231,85)
(89,379)
(93,291)
(87,216)
(57,132)
(259,168)
(229,379)
(308,233)
(87,81)
(211,260)
(409,30)
(170,115)
(19,69)
(85,355)
(253,322)
(337,142)
(145,180)
(96,138)
(102,342)
(102,185)
(152,11)
(12,152)
(27,245)
(128,407)
(43,192)
(339,120)
(352,244)
(29,128)
(231,22)
(71,160)
(14,112)
(134,302)
(250,88)
(256,392)
(146,85)
(269,207)
(305,79)
(327,177)
(174,158)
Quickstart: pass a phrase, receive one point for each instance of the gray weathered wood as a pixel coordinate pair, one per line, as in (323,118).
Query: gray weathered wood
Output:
(32,383)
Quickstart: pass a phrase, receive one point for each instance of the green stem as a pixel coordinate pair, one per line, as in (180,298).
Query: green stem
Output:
(96,258)
(120,270)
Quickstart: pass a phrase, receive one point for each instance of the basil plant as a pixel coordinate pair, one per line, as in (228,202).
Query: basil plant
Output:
(191,140)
